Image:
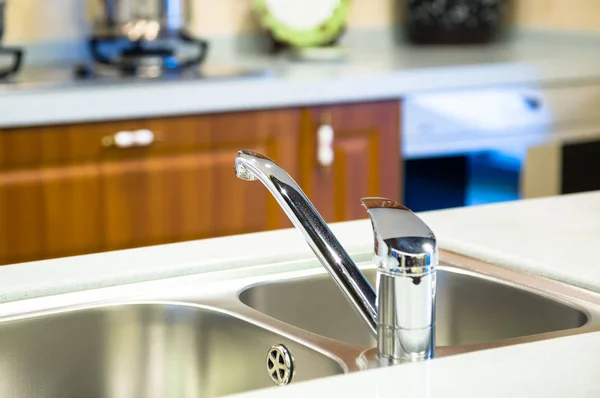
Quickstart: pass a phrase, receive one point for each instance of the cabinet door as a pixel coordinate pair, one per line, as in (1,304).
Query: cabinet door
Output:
(177,198)
(49,212)
(168,198)
(366,157)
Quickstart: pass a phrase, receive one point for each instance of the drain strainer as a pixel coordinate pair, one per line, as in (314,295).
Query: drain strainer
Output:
(280,365)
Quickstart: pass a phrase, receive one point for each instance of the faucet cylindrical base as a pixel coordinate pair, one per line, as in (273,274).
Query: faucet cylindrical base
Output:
(405,344)
(406,306)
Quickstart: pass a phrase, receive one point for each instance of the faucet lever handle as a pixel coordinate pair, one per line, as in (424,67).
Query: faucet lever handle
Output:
(403,242)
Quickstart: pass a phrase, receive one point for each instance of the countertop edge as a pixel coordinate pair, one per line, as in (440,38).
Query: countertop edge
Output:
(170,98)
(94,271)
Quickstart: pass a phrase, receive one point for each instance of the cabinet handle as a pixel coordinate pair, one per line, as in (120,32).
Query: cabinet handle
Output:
(325,154)
(129,139)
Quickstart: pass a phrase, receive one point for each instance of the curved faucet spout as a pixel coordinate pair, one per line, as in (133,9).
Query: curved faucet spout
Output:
(249,166)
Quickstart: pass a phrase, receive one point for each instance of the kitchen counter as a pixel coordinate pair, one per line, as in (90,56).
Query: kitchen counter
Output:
(556,237)
(564,367)
(374,70)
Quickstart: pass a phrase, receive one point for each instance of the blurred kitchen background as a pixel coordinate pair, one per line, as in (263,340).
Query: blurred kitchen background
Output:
(120,119)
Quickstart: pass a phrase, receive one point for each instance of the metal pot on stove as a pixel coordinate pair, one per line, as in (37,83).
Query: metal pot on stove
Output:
(139,19)
(147,33)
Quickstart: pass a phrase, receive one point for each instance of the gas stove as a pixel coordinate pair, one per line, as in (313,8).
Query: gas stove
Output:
(176,55)
(117,61)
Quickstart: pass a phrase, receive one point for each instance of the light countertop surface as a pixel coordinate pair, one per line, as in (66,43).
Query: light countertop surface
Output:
(564,367)
(373,70)
(556,237)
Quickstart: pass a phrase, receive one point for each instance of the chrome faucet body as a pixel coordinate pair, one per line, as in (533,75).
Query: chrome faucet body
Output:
(402,312)
(406,257)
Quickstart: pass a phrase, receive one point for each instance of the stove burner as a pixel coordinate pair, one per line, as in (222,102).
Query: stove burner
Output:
(138,57)
(17,55)
(138,51)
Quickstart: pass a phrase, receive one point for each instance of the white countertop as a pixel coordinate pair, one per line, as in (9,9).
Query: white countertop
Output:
(564,367)
(374,70)
(556,237)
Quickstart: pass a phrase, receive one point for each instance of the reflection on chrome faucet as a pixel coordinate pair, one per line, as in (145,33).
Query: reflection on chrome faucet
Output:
(402,312)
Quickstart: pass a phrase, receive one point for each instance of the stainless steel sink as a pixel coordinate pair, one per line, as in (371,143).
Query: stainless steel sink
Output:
(469,309)
(479,306)
(143,350)
(210,335)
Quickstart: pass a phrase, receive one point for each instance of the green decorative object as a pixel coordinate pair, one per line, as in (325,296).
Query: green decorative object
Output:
(303,23)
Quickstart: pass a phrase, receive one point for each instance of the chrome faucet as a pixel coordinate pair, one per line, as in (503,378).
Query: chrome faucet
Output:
(402,312)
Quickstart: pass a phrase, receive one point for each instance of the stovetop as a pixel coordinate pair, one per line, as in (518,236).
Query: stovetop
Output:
(67,76)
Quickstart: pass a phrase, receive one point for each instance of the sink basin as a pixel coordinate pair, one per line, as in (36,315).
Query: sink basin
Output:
(143,350)
(470,309)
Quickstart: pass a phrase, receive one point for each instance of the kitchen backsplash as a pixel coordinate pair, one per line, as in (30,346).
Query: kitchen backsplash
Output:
(61,20)
(56,20)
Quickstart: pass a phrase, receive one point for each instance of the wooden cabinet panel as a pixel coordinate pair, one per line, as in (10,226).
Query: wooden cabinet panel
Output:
(366,161)
(70,144)
(81,143)
(51,212)
(150,201)
(194,194)
(63,193)
(51,145)
(178,198)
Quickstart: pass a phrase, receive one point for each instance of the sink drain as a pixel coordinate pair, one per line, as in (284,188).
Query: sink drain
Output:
(280,365)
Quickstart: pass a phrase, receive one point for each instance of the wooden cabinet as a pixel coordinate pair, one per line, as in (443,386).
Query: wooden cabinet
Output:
(64,190)
(50,212)
(366,160)
(192,192)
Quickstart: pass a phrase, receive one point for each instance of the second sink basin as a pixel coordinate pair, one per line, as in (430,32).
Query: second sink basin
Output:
(143,350)
(470,309)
